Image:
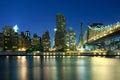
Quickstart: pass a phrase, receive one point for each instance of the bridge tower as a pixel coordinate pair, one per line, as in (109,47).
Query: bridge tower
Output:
(81,35)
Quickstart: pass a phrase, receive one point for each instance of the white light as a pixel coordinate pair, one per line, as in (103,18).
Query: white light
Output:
(55,29)
(15,28)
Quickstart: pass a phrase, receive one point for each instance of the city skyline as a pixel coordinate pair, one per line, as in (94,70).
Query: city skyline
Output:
(59,39)
(39,16)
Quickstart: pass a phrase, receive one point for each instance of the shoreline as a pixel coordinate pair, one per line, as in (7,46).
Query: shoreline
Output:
(54,54)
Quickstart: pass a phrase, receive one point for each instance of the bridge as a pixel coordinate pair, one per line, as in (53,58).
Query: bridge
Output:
(97,34)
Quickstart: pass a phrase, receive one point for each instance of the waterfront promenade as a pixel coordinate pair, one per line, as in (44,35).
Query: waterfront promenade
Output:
(70,53)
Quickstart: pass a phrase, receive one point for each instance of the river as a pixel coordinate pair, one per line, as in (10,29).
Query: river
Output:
(59,68)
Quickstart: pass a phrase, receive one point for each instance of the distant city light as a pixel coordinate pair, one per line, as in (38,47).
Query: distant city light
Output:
(15,28)
(22,49)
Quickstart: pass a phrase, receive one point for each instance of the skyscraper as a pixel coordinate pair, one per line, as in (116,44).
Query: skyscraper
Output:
(60,32)
(71,39)
(10,39)
(27,35)
(60,23)
(21,41)
(35,41)
(46,41)
(24,41)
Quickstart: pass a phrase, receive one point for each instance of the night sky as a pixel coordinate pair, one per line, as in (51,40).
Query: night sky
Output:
(38,16)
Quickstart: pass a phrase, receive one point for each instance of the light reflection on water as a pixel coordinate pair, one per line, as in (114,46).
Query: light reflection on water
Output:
(59,68)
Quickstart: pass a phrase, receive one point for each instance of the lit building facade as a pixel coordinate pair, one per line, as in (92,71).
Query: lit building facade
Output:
(35,41)
(24,42)
(46,41)
(15,41)
(1,41)
(10,39)
(70,39)
(21,41)
(60,32)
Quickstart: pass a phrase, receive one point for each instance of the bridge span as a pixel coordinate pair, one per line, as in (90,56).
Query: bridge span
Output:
(99,34)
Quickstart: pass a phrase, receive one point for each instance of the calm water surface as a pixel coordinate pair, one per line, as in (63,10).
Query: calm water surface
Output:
(59,68)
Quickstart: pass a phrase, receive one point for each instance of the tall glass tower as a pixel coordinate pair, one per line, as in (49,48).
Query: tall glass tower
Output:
(60,32)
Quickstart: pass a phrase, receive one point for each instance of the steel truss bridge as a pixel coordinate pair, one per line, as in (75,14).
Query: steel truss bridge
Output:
(100,35)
